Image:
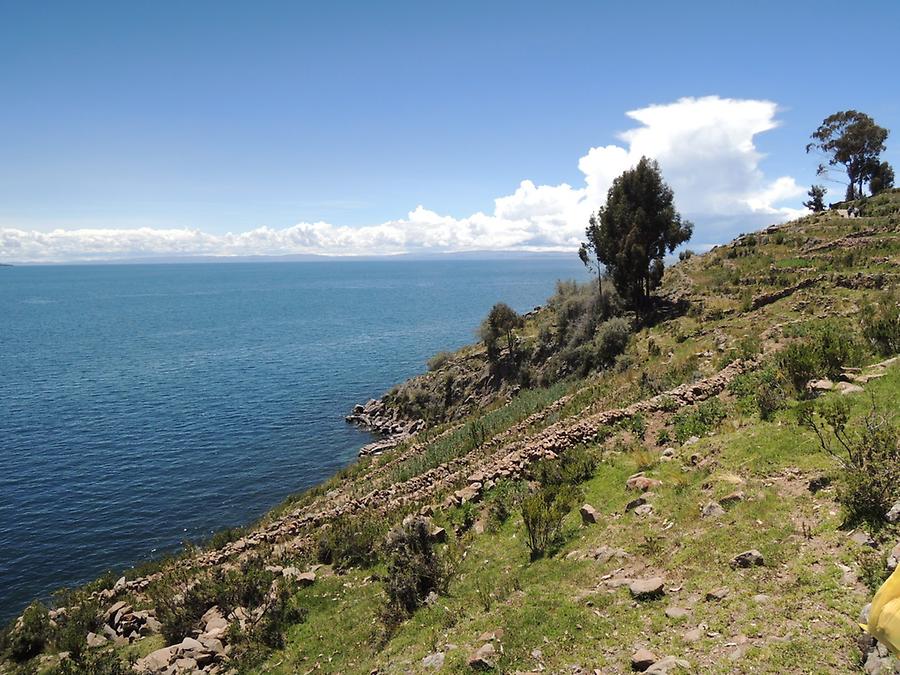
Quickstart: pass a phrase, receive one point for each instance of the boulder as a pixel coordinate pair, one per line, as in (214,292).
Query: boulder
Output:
(642,483)
(94,640)
(893,515)
(483,658)
(751,558)
(712,510)
(676,612)
(668,664)
(438,535)
(647,589)
(589,515)
(433,661)
(893,559)
(155,661)
(642,659)
(644,510)
(717,594)
(634,503)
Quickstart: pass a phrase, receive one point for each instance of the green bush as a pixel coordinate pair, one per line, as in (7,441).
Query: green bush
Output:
(29,634)
(760,391)
(439,360)
(505,498)
(698,420)
(350,542)
(868,453)
(93,663)
(822,352)
(543,513)
(573,466)
(81,618)
(414,570)
(881,324)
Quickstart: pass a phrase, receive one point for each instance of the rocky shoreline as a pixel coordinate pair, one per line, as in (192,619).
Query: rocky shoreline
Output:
(376,417)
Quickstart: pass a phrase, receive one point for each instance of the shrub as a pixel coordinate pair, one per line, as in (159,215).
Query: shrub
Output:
(93,663)
(574,466)
(349,542)
(867,452)
(543,513)
(81,618)
(881,324)
(439,360)
(414,570)
(611,339)
(698,420)
(504,499)
(29,634)
(820,353)
(761,391)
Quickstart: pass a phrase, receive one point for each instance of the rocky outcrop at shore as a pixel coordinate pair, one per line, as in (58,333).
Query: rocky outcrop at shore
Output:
(377,417)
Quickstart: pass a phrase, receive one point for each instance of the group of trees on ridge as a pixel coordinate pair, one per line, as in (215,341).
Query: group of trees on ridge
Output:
(854,141)
(627,239)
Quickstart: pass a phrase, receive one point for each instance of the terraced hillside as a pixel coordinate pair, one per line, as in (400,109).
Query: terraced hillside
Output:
(688,507)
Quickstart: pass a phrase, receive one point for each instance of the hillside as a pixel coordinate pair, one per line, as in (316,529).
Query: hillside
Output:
(703,525)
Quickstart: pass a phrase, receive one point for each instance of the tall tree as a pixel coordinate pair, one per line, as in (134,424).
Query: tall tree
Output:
(816,202)
(501,321)
(635,229)
(882,178)
(853,140)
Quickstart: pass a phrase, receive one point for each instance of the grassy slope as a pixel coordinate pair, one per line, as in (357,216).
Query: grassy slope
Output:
(561,606)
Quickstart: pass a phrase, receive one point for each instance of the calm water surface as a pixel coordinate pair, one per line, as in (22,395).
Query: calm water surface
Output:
(145,405)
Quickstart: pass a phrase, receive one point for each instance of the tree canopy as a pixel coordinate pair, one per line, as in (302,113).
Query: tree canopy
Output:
(816,201)
(853,140)
(634,230)
(502,320)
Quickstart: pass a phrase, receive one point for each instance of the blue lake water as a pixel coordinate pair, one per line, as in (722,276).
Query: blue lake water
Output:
(145,405)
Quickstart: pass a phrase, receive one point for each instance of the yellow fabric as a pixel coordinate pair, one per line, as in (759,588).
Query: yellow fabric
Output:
(884,615)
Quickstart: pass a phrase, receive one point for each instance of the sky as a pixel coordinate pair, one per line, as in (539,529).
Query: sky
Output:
(170,129)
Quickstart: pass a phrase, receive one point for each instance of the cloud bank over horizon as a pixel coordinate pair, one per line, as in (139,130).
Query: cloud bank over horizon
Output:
(705,148)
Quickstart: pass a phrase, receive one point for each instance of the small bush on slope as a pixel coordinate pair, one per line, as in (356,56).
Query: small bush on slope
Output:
(543,513)
(28,635)
(868,451)
(881,324)
(414,570)
(350,542)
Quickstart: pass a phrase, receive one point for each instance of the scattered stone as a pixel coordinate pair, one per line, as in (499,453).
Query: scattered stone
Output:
(439,535)
(668,664)
(490,635)
(816,386)
(761,599)
(647,589)
(691,441)
(434,661)
(644,510)
(848,388)
(717,594)
(732,498)
(712,510)
(893,559)
(751,558)
(589,515)
(483,658)
(893,515)
(676,612)
(642,659)
(862,538)
(693,635)
(634,503)
(94,640)
(642,483)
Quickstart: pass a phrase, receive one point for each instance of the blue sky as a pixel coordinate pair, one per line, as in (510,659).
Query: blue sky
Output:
(122,122)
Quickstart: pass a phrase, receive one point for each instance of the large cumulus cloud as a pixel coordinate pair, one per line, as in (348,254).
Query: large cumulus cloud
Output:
(705,147)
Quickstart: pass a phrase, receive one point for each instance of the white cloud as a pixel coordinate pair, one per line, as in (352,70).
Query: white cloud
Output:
(705,147)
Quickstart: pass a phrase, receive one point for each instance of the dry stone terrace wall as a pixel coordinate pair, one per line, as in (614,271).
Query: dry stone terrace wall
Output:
(294,532)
